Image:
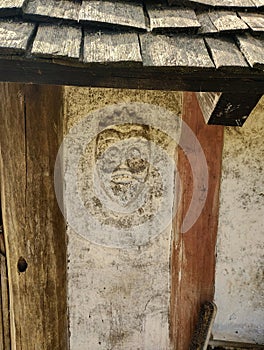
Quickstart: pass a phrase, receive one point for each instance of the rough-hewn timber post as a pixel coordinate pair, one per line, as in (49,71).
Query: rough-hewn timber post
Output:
(31,132)
(193,253)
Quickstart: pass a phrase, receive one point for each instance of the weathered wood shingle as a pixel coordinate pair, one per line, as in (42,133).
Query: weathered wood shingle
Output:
(10,7)
(175,50)
(111,48)
(227,21)
(57,41)
(220,3)
(113,13)
(52,9)
(171,18)
(254,20)
(225,53)
(14,36)
(253,50)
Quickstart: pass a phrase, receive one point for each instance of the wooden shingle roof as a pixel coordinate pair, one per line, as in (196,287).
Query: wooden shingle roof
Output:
(200,43)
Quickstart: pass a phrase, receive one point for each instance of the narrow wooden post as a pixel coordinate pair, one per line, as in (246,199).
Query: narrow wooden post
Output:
(31,132)
(193,252)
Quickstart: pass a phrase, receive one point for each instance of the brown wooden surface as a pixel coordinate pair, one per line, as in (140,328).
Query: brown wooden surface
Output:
(152,78)
(31,131)
(193,253)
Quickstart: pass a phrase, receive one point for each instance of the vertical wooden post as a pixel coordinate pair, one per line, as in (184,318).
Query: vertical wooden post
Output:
(31,132)
(193,253)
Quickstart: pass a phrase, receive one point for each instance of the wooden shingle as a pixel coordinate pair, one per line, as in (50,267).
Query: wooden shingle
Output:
(207,25)
(253,49)
(175,50)
(57,41)
(113,13)
(14,36)
(52,9)
(227,21)
(254,20)
(111,48)
(219,3)
(10,7)
(225,53)
(161,18)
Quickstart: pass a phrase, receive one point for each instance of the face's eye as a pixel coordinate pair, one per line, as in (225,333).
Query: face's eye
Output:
(110,160)
(133,153)
(112,153)
(135,161)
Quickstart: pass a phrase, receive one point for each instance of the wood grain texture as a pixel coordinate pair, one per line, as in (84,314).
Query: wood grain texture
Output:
(57,41)
(170,18)
(254,20)
(227,21)
(126,14)
(153,78)
(176,50)
(253,49)
(14,36)
(31,132)
(5,307)
(225,53)
(10,7)
(220,3)
(207,26)
(193,255)
(41,9)
(114,48)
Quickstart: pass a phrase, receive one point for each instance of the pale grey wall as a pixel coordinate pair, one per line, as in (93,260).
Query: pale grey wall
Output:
(240,248)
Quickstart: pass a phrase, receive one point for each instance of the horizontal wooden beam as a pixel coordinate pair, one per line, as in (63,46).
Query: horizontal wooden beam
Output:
(230,109)
(136,77)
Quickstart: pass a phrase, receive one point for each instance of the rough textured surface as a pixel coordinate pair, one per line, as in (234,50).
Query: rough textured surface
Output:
(61,41)
(121,296)
(192,22)
(253,49)
(105,48)
(180,51)
(172,18)
(239,272)
(113,12)
(14,37)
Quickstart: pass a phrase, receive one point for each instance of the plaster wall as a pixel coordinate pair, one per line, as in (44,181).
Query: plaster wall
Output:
(118,298)
(240,264)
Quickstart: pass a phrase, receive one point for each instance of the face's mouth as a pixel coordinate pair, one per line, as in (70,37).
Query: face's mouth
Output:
(121,177)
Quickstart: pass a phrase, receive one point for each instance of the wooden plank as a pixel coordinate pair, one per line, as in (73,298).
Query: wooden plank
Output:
(52,9)
(14,36)
(31,129)
(115,48)
(227,109)
(171,18)
(254,20)
(57,41)
(193,256)
(10,7)
(175,50)
(226,21)
(207,26)
(253,49)
(219,3)
(127,14)
(225,53)
(5,304)
(151,78)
